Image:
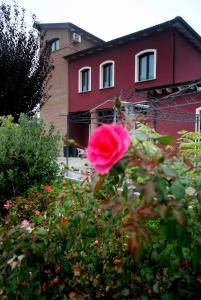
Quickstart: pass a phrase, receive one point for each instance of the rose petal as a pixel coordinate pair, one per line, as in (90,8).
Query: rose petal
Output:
(107,146)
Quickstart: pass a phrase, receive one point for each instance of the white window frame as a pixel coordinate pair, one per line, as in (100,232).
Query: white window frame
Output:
(80,79)
(55,41)
(137,64)
(101,73)
(197,112)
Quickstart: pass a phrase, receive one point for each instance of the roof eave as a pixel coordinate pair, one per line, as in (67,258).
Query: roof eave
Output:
(71,27)
(177,22)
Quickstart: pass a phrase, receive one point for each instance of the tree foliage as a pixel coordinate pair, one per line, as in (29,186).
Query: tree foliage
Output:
(25,67)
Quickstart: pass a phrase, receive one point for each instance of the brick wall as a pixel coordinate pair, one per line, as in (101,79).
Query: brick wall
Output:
(57,105)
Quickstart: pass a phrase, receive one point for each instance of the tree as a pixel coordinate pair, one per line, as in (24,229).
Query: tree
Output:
(25,67)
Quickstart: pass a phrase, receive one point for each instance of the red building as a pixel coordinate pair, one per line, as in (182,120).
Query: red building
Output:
(158,69)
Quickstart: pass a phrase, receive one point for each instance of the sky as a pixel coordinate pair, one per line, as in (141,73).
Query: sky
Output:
(109,19)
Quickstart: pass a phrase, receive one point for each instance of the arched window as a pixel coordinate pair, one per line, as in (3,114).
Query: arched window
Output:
(106,79)
(54,45)
(145,65)
(84,80)
(198,120)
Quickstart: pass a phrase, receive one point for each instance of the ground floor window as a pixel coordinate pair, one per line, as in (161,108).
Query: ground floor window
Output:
(198,120)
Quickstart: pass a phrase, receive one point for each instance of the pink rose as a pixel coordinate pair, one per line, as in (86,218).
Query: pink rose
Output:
(7,205)
(107,146)
(37,213)
(47,188)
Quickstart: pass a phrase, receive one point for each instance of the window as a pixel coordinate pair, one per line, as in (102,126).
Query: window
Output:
(84,84)
(145,65)
(198,120)
(106,74)
(54,45)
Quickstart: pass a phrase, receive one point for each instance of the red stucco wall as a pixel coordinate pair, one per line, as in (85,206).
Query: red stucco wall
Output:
(184,119)
(188,60)
(124,57)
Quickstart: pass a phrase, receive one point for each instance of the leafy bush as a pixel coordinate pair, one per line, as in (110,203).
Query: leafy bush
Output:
(190,145)
(71,249)
(157,187)
(133,233)
(74,248)
(27,155)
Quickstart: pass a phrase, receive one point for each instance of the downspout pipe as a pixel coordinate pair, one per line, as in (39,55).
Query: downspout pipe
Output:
(174,58)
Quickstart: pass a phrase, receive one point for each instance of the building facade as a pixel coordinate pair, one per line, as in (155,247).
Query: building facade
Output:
(157,69)
(63,39)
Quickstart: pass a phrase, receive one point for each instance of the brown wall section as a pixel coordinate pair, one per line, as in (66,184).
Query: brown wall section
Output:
(57,104)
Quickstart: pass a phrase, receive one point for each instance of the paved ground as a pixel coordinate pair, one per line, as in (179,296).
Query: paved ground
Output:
(75,167)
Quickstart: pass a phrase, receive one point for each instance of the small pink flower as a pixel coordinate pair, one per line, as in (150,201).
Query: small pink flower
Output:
(47,188)
(37,213)
(58,268)
(96,242)
(107,146)
(7,205)
(25,223)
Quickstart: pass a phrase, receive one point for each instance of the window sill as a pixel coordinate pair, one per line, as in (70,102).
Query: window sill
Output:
(83,92)
(137,81)
(104,88)
(57,50)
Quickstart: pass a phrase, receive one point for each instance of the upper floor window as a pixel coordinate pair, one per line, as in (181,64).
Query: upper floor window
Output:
(84,80)
(54,45)
(106,74)
(145,65)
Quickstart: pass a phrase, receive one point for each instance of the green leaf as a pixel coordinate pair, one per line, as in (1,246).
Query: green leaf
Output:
(170,230)
(147,274)
(163,258)
(125,191)
(140,135)
(165,140)
(182,292)
(169,171)
(91,230)
(161,188)
(198,180)
(156,287)
(125,292)
(178,190)
(40,231)
(196,258)
(168,296)
(199,197)
(76,220)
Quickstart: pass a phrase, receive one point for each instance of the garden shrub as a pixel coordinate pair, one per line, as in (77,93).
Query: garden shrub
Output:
(69,250)
(156,187)
(28,155)
(63,244)
(190,145)
(132,233)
